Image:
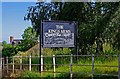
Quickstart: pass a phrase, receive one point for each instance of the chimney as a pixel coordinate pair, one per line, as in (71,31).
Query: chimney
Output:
(11,39)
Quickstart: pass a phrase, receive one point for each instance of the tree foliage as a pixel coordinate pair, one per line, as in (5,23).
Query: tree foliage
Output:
(42,11)
(4,43)
(8,50)
(98,21)
(29,39)
(94,19)
(29,34)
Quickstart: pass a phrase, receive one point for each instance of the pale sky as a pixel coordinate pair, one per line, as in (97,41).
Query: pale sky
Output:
(13,23)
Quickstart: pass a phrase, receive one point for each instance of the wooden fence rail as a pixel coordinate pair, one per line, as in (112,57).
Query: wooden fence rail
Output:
(10,61)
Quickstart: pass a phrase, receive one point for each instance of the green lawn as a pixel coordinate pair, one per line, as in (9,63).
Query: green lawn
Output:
(83,71)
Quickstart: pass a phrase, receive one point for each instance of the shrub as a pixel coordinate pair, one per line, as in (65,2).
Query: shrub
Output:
(30,74)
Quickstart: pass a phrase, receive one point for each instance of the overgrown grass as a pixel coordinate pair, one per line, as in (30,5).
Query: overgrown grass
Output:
(81,71)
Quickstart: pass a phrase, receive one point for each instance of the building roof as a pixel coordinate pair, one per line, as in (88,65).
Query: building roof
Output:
(17,40)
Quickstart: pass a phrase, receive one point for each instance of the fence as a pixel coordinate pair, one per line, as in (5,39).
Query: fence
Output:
(12,64)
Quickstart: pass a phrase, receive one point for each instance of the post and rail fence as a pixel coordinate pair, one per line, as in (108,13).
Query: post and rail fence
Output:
(9,64)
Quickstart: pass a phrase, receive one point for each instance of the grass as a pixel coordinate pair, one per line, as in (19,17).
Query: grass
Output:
(84,71)
(78,71)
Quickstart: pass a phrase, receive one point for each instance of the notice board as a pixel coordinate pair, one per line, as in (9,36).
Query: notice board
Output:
(58,33)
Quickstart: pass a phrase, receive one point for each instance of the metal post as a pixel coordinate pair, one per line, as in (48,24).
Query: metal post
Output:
(54,65)
(7,64)
(71,66)
(29,63)
(40,30)
(119,66)
(76,45)
(20,62)
(13,64)
(40,55)
(92,65)
(41,63)
(1,62)
(3,65)
(0,67)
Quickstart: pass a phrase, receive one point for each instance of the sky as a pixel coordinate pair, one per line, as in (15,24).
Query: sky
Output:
(13,23)
(0,21)
(12,18)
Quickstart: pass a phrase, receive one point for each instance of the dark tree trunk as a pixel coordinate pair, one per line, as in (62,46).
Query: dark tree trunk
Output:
(99,47)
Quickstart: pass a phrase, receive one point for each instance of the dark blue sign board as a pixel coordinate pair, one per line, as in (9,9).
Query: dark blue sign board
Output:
(58,34)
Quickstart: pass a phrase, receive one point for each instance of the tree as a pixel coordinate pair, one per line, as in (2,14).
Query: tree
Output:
(42,11)
(96,21)
(29,39)
(8,50)
(4,43)
(115,29)
(29,34)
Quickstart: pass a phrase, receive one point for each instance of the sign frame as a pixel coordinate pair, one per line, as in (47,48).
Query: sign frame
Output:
(72,24)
